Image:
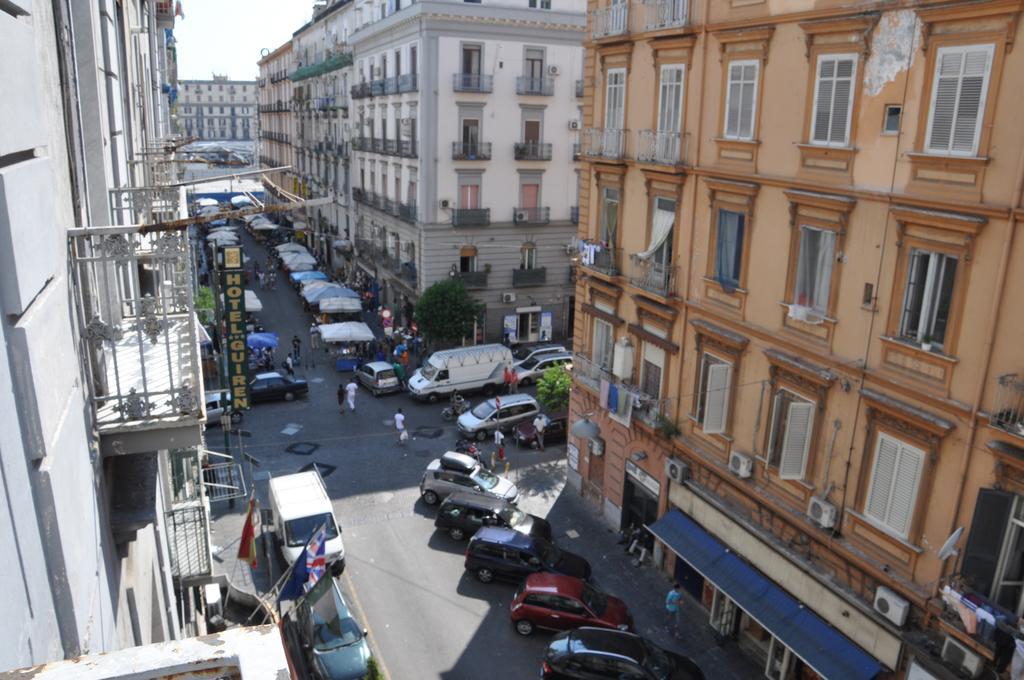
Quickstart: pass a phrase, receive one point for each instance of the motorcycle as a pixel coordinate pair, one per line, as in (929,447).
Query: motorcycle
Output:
(456,408)
(472,450)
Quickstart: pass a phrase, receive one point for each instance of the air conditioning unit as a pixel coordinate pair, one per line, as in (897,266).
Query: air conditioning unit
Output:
(891,606)
(508,297)
(677,470)
(822,512)
(553,70)
(963,658)
(741,465)
(444,203)
(574,125)
(522,216)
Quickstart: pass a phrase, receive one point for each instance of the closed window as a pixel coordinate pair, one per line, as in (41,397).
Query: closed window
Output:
(928,297)
(814,269)
(789,438)
(741,99)
(833,99)
(603,346)
(651,369)
(729,248)
(610,197)
(469,193)
(957,108)
(670,104)
(895,478)
(615,96)
(713,394)
(528,256)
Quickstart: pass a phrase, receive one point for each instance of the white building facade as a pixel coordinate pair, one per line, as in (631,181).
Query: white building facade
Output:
(218,109)
(463,133)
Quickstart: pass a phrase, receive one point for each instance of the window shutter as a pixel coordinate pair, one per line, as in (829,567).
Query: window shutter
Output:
(958,100)
(947,81)
(716,404)
(823,103)
(732,126)
(972,89)
(904,489)
(985,541)
(796,440)
(886,454)
(842,101)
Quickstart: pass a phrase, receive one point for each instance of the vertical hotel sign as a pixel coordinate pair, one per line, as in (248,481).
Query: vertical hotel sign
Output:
(233,285)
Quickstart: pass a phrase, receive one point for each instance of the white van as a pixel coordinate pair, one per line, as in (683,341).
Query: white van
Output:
(300,504)
(464,369)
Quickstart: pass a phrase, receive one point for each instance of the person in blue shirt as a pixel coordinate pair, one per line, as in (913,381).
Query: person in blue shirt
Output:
(674,609)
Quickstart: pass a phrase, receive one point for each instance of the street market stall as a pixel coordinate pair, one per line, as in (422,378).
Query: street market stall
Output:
(350,338)
(298,262)
(261,350)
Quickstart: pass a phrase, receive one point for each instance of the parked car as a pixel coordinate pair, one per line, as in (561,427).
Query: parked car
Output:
(601,653)
(216,402)
(273,386)
(458,472)
(523,352)
(533,368)
(560,602)
(486,417)
(463,512)
(554,432)
(378,377)
(334,641)
(496,552)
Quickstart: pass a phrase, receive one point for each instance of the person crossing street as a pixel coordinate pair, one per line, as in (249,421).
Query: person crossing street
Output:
(403,435)
(350,393)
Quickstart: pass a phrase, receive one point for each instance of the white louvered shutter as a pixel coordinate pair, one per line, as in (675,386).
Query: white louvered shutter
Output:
(834,99)
(904,489)
(887,454)
(716,401)
(958,99)
(796,440)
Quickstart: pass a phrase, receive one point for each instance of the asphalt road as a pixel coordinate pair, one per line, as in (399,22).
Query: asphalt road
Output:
(426,617)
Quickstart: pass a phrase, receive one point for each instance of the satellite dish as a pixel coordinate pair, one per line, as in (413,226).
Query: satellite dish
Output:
(948,548)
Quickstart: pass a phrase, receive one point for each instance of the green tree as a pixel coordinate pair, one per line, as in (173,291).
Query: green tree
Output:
(445,312)
(204,304)
(553,388)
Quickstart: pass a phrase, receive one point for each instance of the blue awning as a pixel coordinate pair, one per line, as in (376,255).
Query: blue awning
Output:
(820,646)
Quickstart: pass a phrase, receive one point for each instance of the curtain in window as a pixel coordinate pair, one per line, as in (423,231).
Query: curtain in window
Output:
(610,220)
(603,344)
(814,269)
(530,195)
(469,196)
(661,228)
(729,249)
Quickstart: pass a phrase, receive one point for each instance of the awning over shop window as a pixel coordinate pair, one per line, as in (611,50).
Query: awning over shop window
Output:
(820,646)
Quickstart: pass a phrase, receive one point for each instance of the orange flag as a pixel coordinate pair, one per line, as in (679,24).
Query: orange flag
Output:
(247,545)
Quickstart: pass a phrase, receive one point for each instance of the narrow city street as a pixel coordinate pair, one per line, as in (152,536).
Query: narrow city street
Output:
(426,617)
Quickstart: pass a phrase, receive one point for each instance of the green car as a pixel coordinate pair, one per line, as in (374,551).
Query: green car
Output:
(336,643)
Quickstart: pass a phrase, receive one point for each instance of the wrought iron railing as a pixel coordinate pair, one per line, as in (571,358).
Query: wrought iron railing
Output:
(536,215)
(471,151)
(474,280)
(579,89)
(589,372)
(529,277)
(653,276)
(611,21)
(532,151)
(1008,413)
(660,14)
(188,539)
(408,82)
(604,142)
(529,85)
(472,82)
(574,214)
(471,217)
(602,259)
(407,212)
(659,147)
(407,148)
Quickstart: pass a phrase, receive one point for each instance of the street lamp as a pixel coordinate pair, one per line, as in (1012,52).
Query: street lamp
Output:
(586,429)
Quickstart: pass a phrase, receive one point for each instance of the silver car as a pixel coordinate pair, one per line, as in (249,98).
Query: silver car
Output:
(378,377)
(530,370)
(486,417)
(458,472)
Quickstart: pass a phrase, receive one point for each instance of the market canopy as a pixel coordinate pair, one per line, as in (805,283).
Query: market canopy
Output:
(223,237)
(346,331)
(314,294)
(308,276)
(261,341)
(262,225)
(204,202)
(292,259)
(336,305)
(241,201)
(252,302)
(290,248)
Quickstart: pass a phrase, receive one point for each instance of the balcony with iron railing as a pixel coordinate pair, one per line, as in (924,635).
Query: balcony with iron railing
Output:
(661,148)
(631,402)
(407,212)
(472,82)
(474,280)
(657,15)
(652,276)
(523,278)
(407,148)
(1008,414)
(391,147)
(391,85)
(535,215)
(610,21)
(471,151)
(532,151)
(574,214)
(606,143)
(409,82)
(579,89)
(377,88)
(538,87)
(360,91)
(471,217)
(600,258)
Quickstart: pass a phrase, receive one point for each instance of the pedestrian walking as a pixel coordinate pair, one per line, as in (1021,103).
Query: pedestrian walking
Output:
(259,279)
(674,609)
(538,424)
(314,336)
(499,441)
(514,382)
(399,373)
(403,434)
(296,348)
(289,366)
(341,398)
(350,393)
(507,379)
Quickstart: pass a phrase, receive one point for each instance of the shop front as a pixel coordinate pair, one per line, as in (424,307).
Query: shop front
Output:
(640,495)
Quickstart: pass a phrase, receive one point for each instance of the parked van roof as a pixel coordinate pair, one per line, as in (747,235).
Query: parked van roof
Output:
(300,495)
(462,356)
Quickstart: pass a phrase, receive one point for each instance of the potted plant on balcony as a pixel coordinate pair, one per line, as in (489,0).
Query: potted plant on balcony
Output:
(666,428)
(926,343)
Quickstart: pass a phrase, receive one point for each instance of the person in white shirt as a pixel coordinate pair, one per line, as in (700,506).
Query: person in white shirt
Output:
(400,426)
(538,424)
(350,393)
(499,441)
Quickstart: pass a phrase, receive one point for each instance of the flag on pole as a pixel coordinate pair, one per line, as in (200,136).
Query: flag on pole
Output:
(316,560)
(301,578)
(247,544)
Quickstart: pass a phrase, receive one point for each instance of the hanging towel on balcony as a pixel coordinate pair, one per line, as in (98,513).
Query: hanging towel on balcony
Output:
(605,386)
(613,398)
(968,616)
(661,227)
(625,401)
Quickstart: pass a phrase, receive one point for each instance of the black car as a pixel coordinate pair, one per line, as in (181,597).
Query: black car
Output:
(603,653)
(496,552)
(463,512)
(273,386)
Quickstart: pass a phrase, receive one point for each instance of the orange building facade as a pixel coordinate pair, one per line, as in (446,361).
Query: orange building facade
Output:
(798,344)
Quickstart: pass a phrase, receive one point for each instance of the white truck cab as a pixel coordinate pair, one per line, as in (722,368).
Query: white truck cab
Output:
(301,504)
(462,370)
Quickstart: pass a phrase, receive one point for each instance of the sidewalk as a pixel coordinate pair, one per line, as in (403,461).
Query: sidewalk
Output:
(643,589)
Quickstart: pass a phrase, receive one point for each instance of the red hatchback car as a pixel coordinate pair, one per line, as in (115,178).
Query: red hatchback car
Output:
(559,602)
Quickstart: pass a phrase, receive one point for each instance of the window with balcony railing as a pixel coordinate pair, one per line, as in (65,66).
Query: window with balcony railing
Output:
(537,86)
(471,151)
(531,215)
(532,151)
(604,143)
(471,217)
(612,20)
(662,148)
(472,82)
(660,14)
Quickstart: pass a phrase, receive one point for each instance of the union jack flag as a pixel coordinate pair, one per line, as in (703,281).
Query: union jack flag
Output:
(316,561)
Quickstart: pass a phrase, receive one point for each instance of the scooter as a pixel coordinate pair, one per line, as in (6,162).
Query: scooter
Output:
(456,408)
(472,450)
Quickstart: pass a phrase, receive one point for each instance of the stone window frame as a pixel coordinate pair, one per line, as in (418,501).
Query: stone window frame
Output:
(742,45)
(729,347)
(738,197)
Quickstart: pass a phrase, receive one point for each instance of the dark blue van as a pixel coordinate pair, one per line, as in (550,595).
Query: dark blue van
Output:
(497,552)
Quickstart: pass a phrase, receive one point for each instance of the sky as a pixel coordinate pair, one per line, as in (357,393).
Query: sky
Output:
(226,36)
